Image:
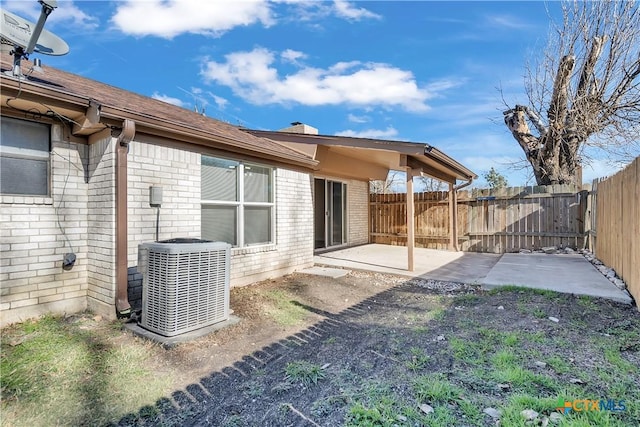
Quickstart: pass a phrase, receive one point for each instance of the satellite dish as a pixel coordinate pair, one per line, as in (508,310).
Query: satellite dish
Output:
(27,37)
(19,32)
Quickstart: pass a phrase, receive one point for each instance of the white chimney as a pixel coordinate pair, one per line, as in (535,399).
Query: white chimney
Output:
(297,127)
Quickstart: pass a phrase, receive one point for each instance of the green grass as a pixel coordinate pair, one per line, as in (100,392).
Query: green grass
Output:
(284,311)
(304,372)
(419,359)
(62,374)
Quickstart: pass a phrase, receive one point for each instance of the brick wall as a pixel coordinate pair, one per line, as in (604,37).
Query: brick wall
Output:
(358,211)
(36,232)
(82,203)
(294,234)
(178,173)
(102,224)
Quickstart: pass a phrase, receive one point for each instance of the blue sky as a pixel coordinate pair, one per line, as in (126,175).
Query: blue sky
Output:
(409,70)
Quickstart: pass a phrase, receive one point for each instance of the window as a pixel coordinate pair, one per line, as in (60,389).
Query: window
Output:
(24,157)
(237,202)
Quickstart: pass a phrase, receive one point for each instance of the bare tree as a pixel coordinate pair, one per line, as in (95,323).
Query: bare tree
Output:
(394,181)
(429,184)
(584,90)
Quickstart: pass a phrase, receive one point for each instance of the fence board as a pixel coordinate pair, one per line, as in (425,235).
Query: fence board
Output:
(505,221)
(617,224)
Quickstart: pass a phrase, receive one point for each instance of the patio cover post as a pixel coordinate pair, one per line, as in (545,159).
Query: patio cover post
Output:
(410,220)
(453,217)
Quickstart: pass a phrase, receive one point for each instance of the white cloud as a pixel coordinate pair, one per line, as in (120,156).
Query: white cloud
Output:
(507,21)
(290,55)
(314,11)
(169,18)
(66,12)
(347,10)
(220,101)
(358,119)
(387,133)
(168,99)
(254,77)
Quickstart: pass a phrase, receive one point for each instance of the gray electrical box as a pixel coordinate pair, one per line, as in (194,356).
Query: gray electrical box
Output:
(155,196)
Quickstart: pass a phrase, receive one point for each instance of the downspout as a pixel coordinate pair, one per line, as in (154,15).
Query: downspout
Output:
(123,308)
(466,184)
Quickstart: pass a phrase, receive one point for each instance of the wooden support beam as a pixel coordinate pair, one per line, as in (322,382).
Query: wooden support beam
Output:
(452,220)
(455,219)
(410,220)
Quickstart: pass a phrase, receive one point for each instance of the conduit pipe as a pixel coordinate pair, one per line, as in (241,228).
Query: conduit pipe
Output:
(123,308)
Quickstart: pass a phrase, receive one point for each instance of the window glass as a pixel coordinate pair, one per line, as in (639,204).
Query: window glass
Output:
(257,184)
(219,179)
(219,223)
(24,157)
(257,225)
(237,202)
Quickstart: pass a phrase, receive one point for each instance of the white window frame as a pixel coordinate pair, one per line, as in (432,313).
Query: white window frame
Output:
(240,204)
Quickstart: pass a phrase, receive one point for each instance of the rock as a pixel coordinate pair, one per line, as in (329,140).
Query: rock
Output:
(550,250)
(545,422)
(492,412)
(619,283)
(500,307)
(569,251)
(597,261)
(440,338)
(427,409)
(401,418)
(525,251)
(554,319)
(611,273)
(576,381)
(540,364)
(97,318)
(503,386)
(555,417)
(529,414)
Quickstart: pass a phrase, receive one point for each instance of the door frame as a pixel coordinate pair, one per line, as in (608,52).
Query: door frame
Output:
(324,220)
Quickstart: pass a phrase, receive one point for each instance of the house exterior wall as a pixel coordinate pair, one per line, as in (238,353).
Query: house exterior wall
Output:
(101,218)
(178,173)
(83,202)
(32,281)
(357,209)
(294,234)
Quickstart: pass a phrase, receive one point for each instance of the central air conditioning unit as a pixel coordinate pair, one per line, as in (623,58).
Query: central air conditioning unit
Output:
(185,285)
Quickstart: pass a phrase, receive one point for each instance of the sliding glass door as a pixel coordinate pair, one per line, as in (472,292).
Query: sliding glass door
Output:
(330,212)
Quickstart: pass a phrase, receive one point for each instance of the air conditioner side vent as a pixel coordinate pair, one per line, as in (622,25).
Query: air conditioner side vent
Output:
(185,286)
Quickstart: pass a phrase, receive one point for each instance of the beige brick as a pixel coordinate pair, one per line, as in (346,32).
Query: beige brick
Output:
(23,303)
(50,298)
(42,293)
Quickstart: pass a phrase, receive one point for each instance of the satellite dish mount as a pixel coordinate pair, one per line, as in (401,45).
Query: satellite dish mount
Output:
(18,32)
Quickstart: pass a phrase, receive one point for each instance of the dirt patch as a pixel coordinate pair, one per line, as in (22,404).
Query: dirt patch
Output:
(258,306)
(372,349)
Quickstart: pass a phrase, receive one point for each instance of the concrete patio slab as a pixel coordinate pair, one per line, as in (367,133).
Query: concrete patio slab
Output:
(561,273)
(334,273)
(464,267)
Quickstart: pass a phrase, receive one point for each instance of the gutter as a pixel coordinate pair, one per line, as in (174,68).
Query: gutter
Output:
(123,308)
(465,184)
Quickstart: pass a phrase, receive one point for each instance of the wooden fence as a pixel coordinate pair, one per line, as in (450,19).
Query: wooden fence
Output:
(499,221)
(616,221)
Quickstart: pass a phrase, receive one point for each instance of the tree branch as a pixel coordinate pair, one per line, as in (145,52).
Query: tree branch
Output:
(557,111)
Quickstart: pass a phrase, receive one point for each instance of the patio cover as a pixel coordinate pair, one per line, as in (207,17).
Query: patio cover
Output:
(372,159)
